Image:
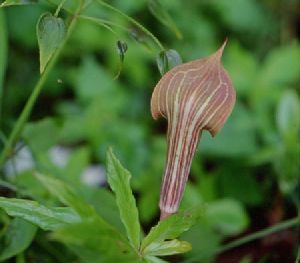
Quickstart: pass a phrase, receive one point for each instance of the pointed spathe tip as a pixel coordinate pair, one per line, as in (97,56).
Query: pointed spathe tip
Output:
(219,52)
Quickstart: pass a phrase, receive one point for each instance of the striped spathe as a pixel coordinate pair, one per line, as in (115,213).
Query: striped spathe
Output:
(193,96)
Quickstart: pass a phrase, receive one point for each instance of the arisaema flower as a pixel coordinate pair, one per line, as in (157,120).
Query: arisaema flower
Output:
(193,97)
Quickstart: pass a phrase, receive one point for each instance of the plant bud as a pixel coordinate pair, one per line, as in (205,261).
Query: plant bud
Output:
(193,96)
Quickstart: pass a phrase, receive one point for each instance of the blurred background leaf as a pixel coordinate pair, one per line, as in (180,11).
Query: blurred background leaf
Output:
(18,237)
(247,177)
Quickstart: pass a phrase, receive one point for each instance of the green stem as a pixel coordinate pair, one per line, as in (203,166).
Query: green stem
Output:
(102,22)
(249,238)
(130,19)
(59,7)
(259,234)
(34,95)
(3,55)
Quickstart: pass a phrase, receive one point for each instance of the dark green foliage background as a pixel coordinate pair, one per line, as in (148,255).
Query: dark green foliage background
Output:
(247,177)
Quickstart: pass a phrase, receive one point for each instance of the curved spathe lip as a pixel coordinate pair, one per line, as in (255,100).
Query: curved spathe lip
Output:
(193,96)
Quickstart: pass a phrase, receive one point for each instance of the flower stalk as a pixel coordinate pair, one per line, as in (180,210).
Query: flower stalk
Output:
(193,97)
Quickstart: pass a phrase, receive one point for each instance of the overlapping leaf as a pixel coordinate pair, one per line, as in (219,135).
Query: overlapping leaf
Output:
(66,195)
(95,242)
(32,211)
(17,238)
(118,179)
(171,227)
(166,248)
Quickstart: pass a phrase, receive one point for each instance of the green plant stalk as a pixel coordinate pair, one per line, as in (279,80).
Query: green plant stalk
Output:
(259,234)
(3,55)
(133,21)
(249,238)
(14,135)
(102,22)
(59,7)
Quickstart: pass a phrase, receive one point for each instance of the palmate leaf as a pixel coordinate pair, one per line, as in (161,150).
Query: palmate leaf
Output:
(154,243)
(17,238)
(96,242)
(17,2)
(66,195)
(166,248)
(171,227)
(153,259)
(105,205)
(118,179)
(92,238)
(39,215)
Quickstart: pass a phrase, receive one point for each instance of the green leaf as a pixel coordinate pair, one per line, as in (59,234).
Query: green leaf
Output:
(233,186)
(242,16)
(66,195)
(41,135)
(17,2)
(95,241)
(242,67)
(237,138)
(288,114)
(18,237)
(77,162)
(282,66)
(287,166)
(227,216)
(167,60)
(163,16)
(287,161)
(105,205)
(86,83)
(45,218)
(28,186)
(50,32)
(166,248)
(118,179)
(152,259)
(3,53)
(204,239)
(192,196)
(171,227)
